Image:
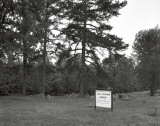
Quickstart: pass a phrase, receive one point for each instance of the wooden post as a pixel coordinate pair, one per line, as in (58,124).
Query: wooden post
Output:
(111,100)
(95,99)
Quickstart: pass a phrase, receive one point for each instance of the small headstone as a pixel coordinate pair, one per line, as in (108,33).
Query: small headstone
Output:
(126,98)
(48,96)
(120,96)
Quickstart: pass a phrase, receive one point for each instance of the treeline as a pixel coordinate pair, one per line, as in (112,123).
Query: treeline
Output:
(54,47)
(64,78)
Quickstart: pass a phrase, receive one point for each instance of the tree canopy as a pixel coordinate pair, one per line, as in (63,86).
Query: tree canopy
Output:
(147,49)
(73,33)
(88,26)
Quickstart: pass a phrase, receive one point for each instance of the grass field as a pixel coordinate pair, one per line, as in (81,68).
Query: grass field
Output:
(70,111)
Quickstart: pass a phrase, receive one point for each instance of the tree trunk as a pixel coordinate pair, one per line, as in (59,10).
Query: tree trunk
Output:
(24,68)
(83,53)
(10,58)
(155,74)
(44,63)
(151,92)
(82,68)
(154,83)
(44,50)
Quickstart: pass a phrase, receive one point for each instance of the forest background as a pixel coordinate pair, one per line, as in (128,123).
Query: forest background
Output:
(75,34)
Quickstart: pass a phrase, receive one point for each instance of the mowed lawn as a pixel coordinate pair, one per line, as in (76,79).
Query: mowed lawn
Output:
(75,111)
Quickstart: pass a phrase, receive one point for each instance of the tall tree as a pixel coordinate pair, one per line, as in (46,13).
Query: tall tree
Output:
(25,26)
(88,25)
(13,29)
(46,15)
(147,49)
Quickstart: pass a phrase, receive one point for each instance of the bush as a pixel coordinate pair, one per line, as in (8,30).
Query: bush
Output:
(54,89)
(10,80)
(4,88)
(33,86)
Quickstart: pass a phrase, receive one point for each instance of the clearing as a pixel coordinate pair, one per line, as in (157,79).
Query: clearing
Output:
(75,111)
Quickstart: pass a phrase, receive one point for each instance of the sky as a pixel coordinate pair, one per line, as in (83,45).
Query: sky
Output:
(135,16)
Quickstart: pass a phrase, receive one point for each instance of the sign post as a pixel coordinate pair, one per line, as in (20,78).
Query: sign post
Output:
(104,98)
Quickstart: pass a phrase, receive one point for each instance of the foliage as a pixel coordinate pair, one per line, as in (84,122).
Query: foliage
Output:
(120,74)
(125,75)
(28,42)
(146,47)
(88,26)
(10,79)
(22,26)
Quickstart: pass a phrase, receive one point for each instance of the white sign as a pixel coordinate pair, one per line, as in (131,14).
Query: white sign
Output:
(104,98)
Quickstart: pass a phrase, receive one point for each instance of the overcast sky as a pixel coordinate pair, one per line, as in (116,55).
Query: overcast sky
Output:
(135,16)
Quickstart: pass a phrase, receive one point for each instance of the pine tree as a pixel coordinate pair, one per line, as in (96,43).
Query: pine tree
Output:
(88,25)
(25,27)
(46,14)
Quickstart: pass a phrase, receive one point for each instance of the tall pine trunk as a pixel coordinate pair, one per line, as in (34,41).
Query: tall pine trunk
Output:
(24,68)
(44,63)
(83,53)
(83,67)
(44,50)
(155,76)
